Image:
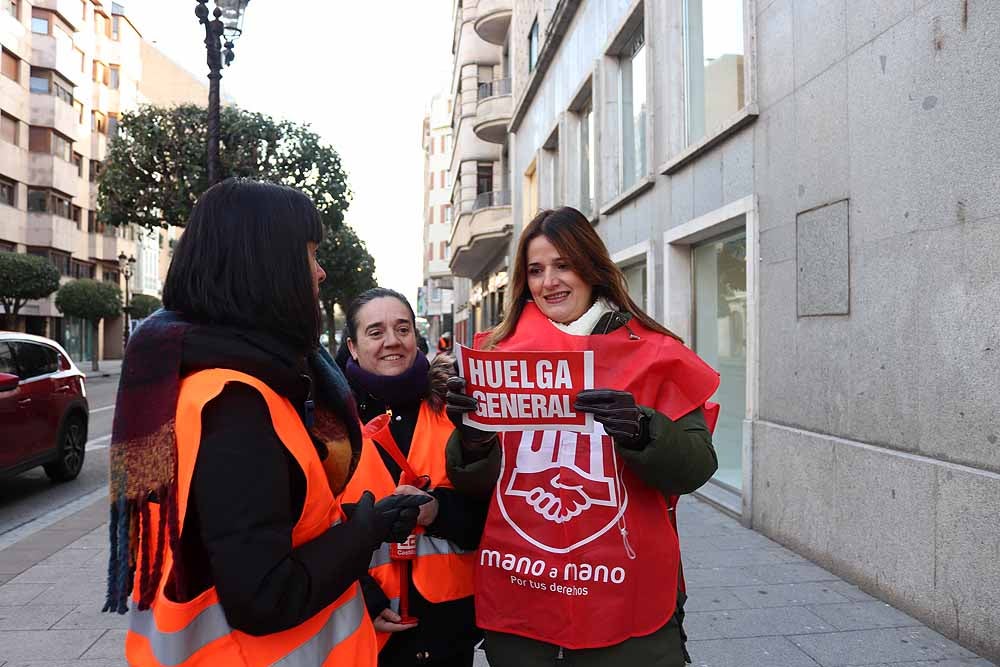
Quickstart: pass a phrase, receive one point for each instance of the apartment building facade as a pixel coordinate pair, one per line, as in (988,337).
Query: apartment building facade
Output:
(482,222)
(435,294)
(806,193)
(70,68)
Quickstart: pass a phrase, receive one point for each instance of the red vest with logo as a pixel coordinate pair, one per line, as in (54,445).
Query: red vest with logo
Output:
(577,550)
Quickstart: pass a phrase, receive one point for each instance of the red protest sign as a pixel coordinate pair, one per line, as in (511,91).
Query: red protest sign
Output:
(533,391)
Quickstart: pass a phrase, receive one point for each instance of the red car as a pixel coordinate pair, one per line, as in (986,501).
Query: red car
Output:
(43,408)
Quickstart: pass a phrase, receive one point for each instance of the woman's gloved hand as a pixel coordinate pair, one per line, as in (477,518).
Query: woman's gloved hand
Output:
(457,403)
(618,413)
(391,519)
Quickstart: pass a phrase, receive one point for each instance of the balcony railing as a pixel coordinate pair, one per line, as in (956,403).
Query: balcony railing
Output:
(488,199)
(494,88)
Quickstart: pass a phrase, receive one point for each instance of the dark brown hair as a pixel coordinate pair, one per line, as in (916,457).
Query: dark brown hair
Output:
(242,261)
(577,242)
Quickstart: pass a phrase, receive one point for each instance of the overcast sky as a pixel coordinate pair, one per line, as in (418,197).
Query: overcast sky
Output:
(361,73)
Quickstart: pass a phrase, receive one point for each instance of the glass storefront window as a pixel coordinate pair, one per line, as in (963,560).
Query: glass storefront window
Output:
(635,277)
(720,338)
(713,33)
(632,90)
(78,339)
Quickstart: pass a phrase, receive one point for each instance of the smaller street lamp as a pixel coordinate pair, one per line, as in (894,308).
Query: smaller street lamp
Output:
(126,265)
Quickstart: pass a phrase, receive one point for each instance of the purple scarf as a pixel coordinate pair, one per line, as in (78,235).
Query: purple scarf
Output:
(404,389)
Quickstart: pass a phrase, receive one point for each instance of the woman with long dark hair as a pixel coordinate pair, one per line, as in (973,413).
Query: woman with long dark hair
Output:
(394,382)
(234,432)
(580,555)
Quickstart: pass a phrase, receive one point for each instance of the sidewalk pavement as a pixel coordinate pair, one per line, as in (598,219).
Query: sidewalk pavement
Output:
(752,603)
(109,368)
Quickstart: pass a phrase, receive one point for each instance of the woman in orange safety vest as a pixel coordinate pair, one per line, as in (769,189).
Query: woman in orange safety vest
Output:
(393,382)
(234,432)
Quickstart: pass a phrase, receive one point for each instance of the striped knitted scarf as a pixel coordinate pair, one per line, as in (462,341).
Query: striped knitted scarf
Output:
(144,452)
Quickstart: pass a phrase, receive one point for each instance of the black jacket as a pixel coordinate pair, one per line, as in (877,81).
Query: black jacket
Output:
(445,628)
(247,493)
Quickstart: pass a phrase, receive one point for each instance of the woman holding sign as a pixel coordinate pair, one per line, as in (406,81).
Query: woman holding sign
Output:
(421,600)
(580,554)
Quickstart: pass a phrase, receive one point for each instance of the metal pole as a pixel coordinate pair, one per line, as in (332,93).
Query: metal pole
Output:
(125,332)
(213,34)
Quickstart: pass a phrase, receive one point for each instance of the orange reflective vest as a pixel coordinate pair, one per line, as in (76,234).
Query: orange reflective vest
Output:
(442,571)
(196,632)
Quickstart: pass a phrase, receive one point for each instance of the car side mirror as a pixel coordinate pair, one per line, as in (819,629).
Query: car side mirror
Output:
(9,381)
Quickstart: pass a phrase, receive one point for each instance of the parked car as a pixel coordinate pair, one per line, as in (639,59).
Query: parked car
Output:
(43,408)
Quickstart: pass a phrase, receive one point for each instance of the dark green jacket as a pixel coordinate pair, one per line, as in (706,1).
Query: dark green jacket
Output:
(678,458)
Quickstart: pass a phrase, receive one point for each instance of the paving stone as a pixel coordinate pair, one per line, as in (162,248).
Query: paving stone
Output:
(32,616)
(865,647)
(19,594)
(74,591)
(788,573)
(851,592)
(15,561)
(713,577)
(743,539)
(69,559)
(95,539)
(951,662)
(46,645)
(784,595)
(863,616)
(90,616)
(712,599)
(757,652)
(69,663)
(42,574)
(737,557)
(737,623)
(111,646)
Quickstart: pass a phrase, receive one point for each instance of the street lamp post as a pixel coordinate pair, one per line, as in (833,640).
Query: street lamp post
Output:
(126,265)
(227,22)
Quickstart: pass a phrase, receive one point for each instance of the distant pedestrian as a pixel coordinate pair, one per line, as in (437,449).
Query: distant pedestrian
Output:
(579,555)
(234,432)
(444,345)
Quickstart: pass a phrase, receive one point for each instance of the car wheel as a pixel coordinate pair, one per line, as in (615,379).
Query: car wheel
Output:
(72,446)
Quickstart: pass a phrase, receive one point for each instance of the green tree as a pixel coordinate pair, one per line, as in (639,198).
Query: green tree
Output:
(24,277)
(143,305)
(92,301)
(350,270)
(155,169)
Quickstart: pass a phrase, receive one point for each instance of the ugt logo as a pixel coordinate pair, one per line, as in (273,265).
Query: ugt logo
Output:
(559,490)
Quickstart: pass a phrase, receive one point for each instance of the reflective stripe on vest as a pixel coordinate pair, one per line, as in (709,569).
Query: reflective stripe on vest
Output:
(174,648)
(343,622)
(426,546)
(437,546)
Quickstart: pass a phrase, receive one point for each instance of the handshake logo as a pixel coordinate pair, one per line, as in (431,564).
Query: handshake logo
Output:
(566,482)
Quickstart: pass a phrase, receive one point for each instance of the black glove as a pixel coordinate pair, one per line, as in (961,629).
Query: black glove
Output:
(618,413)
(391,519)
(457,403)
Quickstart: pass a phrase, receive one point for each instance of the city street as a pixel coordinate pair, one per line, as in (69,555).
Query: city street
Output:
(30,501)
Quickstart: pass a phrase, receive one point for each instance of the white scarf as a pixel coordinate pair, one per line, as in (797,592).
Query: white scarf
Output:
(584,325)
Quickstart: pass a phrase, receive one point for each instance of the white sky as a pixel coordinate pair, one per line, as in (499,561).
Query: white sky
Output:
(361,73)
